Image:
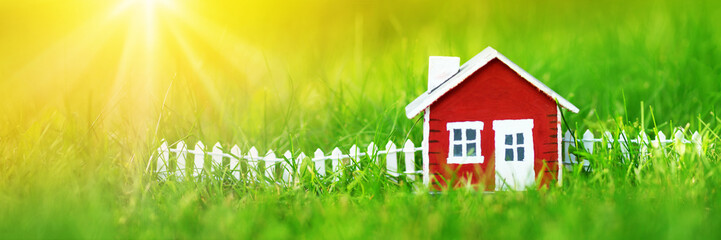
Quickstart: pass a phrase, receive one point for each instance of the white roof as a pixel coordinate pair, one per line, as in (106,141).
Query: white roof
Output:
(468,68)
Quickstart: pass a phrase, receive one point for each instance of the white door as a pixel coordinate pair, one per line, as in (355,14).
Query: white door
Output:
(514,154)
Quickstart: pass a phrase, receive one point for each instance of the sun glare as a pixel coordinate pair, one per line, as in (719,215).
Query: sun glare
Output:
(133,50)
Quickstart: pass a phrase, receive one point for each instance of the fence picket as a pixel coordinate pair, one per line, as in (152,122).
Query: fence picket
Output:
(661,138)
(354,153)
(234,163)
(391,159)
(567,141)
(217,156)
(624,143)
(298,165)
(588,143)
(319,160)
(336,156)
(285,166)
(678,140)
(410,158)
(253,159)
(199,159)
(372,152)
(270,161)
(659,144)
(697,141)
(181,151)
(643,146)
(163,160)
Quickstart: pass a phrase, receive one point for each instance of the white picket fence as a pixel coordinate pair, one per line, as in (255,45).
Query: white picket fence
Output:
(629,146)
(273,164)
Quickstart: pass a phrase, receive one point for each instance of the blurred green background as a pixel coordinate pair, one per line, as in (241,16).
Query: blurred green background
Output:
(88,89)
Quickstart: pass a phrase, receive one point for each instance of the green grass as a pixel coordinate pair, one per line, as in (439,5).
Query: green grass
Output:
(71,166)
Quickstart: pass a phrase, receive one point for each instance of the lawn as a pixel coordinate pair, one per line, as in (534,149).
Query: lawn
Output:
(90,88)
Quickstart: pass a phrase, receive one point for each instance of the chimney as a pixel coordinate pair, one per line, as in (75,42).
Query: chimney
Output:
(441,69)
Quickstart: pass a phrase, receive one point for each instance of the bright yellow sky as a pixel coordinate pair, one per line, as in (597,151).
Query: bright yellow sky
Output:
(123,54)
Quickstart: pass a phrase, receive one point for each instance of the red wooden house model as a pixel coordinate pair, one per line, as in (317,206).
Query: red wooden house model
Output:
(489,122)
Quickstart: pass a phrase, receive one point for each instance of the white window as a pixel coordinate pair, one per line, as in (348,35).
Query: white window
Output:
(514,147)
(464,142)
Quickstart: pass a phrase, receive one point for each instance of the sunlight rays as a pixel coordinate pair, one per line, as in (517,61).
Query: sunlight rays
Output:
(196,63)
(124,57)
(113,57)
(241,57)
(124,73)
(239,54)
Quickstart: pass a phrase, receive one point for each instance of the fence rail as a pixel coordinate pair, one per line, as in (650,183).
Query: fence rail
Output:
(288,165)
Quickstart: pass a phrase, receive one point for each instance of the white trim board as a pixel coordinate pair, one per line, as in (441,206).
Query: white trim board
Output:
(558,142)
(425,145)
(468,68)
